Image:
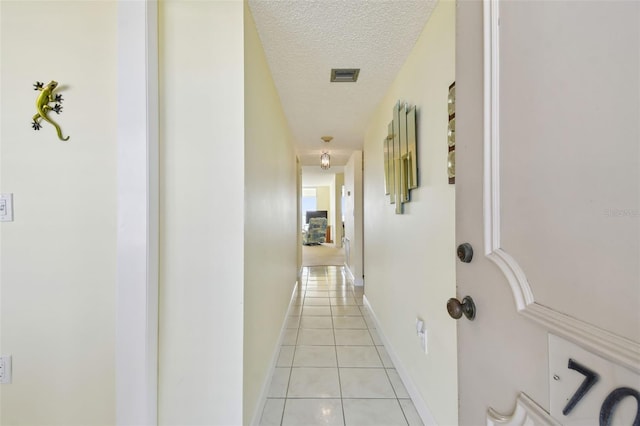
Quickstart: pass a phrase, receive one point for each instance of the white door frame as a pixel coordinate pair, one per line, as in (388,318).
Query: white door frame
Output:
(137,223)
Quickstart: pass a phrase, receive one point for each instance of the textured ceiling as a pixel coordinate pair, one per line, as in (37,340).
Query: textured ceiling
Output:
(304,39)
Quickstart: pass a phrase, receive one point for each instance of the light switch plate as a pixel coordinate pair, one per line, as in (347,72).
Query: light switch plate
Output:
(6,207)
(423,342)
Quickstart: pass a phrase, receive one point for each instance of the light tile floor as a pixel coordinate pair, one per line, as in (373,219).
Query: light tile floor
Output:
(332,368)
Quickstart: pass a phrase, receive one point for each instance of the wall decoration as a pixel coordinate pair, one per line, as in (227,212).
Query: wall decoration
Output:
(400,156)
(388,162)
(451,134)
(412,148)
(42,106)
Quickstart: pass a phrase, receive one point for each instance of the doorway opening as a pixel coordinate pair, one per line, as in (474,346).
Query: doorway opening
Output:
(321,216)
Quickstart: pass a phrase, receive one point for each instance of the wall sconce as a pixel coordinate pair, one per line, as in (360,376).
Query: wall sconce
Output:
(325,161)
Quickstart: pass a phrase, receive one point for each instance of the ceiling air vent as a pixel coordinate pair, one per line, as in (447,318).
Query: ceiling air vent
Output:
(344,75)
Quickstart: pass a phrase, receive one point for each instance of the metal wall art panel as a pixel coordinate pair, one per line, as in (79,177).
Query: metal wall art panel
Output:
(392,166)
(397,155)
(412,154)
(400,156)
(387,161)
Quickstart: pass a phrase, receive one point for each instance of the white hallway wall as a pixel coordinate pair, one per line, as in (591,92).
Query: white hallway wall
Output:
(410,258)
(353,211)
(336,233)
(323,199)
(58,257)
(228,194)
(271,232)
(202,212)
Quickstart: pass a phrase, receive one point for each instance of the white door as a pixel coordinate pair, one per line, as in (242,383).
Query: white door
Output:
(548,190)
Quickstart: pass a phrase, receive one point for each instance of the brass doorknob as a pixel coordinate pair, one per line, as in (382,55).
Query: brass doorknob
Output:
(457,309)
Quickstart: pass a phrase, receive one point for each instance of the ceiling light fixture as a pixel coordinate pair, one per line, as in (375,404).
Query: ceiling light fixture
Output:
(325,161)
(344,75)
(325,158)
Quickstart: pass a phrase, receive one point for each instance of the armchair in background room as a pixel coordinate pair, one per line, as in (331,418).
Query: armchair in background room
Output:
(316,233)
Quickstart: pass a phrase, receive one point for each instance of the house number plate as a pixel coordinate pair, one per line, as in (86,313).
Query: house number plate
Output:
(586,389)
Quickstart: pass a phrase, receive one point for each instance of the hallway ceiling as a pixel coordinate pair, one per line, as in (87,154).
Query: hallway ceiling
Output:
(303,40)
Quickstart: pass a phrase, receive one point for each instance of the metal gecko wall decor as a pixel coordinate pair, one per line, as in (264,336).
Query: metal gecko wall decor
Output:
(42,106)
(400,156)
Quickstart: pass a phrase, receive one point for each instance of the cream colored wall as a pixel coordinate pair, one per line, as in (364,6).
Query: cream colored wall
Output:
(353,215)
(332,204)
(410,258)
(298,215)
(336,232)
(58,258)
(202,212)
(323,198)
(270,254)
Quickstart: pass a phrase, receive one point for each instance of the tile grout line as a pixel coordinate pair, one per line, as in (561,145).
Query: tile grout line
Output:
(286,394)
(326,282)
(335,349)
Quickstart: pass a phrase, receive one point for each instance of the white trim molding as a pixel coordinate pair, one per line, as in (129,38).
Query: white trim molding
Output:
(620,350)
(137,230)
(526,413)
(266,384)
(357,281)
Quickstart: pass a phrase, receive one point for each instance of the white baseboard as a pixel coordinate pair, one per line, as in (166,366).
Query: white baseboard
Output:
(349,273)
(358,282)
(421,406)
(264,392)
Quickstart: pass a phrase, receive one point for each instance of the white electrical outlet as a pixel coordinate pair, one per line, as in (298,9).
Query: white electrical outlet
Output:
(5,369)
(6,207)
